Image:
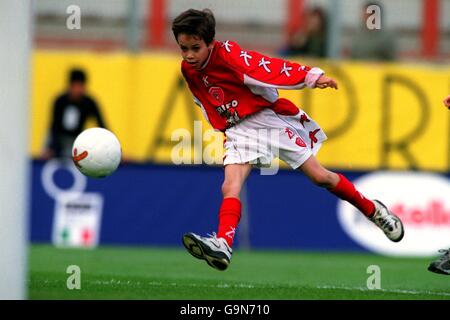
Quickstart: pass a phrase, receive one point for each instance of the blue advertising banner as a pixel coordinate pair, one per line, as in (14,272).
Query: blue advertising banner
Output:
(156,204)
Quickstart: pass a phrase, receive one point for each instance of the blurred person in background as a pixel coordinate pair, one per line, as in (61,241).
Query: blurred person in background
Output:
(71,110)
(373,44)
(312,41)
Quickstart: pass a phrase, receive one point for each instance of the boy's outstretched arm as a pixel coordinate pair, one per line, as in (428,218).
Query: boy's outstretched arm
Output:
(260,70)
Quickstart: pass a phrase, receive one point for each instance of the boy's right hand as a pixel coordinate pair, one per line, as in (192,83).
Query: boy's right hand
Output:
(326,82)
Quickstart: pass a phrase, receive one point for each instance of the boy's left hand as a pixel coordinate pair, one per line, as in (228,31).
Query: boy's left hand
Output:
(326,82)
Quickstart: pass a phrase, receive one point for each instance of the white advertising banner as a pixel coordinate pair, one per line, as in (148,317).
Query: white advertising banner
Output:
(77,220)
(421,200)
(78,214)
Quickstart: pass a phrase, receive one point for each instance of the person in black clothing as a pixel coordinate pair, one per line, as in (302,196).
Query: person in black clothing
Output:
(71,110)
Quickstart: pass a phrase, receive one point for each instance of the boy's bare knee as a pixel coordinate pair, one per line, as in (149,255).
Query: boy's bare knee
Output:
(230,189)
(324,180)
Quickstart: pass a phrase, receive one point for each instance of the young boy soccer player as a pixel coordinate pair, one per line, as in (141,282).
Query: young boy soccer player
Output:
(237,93)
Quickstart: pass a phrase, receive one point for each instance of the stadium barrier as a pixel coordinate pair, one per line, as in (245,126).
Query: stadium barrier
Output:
(155,205)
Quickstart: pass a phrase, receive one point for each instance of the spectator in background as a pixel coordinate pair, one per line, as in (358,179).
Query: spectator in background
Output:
(373,44)
(71,111)
(311,42)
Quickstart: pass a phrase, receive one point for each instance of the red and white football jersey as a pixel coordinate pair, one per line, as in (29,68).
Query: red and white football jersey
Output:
(235,83)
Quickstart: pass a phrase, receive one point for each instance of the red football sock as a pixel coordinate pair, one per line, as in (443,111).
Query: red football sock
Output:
(229,216)
(346,191)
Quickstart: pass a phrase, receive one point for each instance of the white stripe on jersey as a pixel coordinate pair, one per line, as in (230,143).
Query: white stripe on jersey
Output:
(249,81)
(197,102)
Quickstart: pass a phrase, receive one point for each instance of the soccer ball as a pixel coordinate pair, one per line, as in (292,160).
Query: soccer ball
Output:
(96,152)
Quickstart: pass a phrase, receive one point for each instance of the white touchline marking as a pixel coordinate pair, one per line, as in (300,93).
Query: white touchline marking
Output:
(250,286)
(387,290)
(173,284)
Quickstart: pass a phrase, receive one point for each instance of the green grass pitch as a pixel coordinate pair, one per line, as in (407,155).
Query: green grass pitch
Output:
(171,273)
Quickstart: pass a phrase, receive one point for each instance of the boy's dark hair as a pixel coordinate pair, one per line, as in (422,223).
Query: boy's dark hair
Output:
(77,75)
(195,23)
